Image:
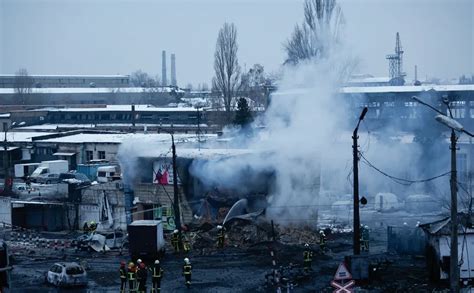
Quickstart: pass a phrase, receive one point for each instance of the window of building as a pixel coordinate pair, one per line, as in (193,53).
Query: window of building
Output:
(89,155)
(101,155)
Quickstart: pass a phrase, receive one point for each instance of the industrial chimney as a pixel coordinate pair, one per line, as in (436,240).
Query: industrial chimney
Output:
(173,70)
(164,80)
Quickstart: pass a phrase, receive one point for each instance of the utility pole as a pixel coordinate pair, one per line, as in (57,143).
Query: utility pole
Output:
(6,184)
(177,218)
(453,265)
(355,157)
(454,126)
(198,128)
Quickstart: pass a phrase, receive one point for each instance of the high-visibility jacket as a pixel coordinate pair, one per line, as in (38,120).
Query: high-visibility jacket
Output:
(157,272)
(132,276)
(123,273)
(187,269)
(174,238)
(307,255)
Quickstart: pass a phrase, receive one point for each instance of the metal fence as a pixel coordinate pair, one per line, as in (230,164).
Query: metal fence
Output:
(406,240)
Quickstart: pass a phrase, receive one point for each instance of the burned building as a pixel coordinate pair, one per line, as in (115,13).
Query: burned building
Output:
(153,184)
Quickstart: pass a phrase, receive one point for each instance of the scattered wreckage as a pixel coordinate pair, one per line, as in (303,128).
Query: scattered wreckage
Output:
(101,242)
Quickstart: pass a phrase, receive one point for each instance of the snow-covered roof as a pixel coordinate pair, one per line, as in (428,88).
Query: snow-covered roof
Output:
(68,75)
(117,138)
(443,227)
(407,89)
(21,136)
(5,115)
(192,153)
(127,108)
(53,127)
(369,79)
(89,90)
(383,89)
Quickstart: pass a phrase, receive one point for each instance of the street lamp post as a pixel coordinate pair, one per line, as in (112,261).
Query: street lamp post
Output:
(454,126)
(355,153)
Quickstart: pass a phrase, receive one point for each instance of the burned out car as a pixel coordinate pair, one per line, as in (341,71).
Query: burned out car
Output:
(67,274)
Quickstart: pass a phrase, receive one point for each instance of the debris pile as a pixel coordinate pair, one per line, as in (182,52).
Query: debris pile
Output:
(298,235)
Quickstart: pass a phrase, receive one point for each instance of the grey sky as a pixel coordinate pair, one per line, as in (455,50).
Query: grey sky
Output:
(114,36)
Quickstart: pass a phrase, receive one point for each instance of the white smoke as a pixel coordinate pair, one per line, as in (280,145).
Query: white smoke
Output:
(303,126)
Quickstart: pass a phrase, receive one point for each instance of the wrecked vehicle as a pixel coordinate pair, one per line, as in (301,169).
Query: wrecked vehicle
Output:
(66,275)
(115,239)
(91,242)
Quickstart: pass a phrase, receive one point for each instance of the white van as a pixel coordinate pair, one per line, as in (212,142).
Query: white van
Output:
(106,174)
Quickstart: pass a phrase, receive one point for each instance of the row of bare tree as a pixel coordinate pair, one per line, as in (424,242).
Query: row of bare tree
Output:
(312,40)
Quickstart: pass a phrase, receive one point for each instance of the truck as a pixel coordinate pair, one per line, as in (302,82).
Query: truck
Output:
(24,170)
(90,169)
(50,167)
(107,174)
(145,239)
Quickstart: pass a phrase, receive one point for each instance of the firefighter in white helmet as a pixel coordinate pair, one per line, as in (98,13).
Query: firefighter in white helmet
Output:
(187,270)
(156,275)
(220,236)
(175,240)
(322,241)
(307,258)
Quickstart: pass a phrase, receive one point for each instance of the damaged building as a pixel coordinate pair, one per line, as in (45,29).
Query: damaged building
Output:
(152,187)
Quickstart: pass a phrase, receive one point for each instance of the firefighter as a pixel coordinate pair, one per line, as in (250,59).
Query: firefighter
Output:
(220,236)
(132,277)
(92,226)
(322,241)
(123,277)
(141,277)
(186,244)
(187,272)
(85,228)
(156,274)
(364,238)
(175,241)
(307,258)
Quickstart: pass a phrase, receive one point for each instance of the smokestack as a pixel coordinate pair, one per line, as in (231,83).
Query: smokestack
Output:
(164,79)
(173,70)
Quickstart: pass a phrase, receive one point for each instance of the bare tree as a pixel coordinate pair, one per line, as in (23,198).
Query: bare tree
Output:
(140,78)
(253,85)
(23,84)
(321,29)
(226,66)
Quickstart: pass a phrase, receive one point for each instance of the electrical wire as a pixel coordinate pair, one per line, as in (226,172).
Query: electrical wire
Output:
(399,180)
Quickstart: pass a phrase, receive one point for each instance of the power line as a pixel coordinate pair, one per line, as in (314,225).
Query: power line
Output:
(399,180)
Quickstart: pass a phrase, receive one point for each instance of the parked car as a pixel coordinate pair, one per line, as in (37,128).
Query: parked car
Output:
(49,178)
(67,274)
